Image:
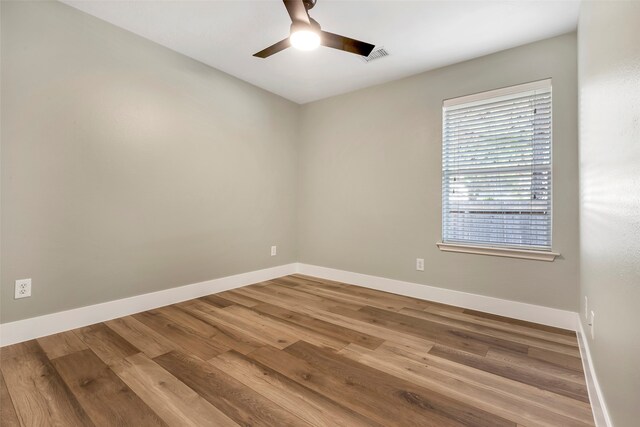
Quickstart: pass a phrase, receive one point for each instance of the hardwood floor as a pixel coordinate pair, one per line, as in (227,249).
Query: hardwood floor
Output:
(298,351)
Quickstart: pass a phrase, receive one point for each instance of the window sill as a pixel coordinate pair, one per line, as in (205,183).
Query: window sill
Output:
(504,252)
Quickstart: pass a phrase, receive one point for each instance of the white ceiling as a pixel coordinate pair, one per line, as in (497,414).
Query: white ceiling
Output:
(420,35)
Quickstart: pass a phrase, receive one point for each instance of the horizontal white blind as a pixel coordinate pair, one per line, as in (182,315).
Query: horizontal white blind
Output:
(496,159)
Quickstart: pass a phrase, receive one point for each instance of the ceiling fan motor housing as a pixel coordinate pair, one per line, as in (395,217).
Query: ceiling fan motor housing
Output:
(302,26)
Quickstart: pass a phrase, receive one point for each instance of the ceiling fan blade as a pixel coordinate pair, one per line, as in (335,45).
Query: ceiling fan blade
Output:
(345,43)
(297,11)
(274,48)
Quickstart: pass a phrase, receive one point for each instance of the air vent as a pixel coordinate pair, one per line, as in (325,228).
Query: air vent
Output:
(375,54)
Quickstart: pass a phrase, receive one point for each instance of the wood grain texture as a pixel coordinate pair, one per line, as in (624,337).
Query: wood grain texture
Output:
(460,387)
(141,336)
(170,398)
(509,370)
(239,402)
(360,399)
(40,396)
(299,351)
(182,335)
(232,338)
(8,416)
(306,404)
(426,405)
(105,398)
(337,332)
(239,299)
(61,344)
(217,301)
(105,343)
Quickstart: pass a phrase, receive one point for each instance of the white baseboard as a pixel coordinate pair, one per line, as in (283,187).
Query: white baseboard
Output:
(598,405)
(35,327)
(514,309)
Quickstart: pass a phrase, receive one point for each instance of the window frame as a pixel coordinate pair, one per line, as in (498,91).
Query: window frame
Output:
(506,250)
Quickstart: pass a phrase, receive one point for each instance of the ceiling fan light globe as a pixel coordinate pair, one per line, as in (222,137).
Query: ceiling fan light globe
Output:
(304,39)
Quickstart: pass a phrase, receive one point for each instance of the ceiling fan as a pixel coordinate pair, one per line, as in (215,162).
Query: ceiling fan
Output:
(305,33)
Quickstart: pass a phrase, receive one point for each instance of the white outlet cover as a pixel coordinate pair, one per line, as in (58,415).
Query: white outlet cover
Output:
(420,264)
(23,288)
(274,250)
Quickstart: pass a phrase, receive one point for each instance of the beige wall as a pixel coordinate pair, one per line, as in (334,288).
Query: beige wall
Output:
(609,76)
(370,176)
(128,168)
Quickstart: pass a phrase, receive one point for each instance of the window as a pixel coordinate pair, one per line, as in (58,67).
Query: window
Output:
(496,168)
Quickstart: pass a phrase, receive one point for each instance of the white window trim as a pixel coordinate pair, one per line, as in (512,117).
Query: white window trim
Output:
(497,93)
(548,256)
(502,251)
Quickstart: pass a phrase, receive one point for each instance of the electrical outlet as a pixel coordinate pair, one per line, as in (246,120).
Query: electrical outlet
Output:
(586,307)
(23,288)
(274,250)
(591,325)
(419,264)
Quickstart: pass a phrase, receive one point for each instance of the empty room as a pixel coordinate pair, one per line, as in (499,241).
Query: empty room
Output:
(320,213)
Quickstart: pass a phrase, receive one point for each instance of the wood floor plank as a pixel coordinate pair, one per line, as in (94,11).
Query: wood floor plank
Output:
(260,329)
(451,335)
(511,321)
(320,312)
(186,319)
(271,296)
(348,298)
(543,398)
(569,348)
(297,330)
(293,330)
(8,416)
(105,343)
(399,338)
(180,335)
(296,296)
(39,394)
(231,338)
(282,296)
(172,400)
(527,362)
(105,398)
(308,405)
(238,298)
(412,397)
(424,330)
(564,360)
(61,344)
(321,295)
(216,301)
(299,351)
(329,329)
(405,301)
(337,290)
(362,398)
(141,336)
(509,406)
(494,325)
(537,379)
(239,402)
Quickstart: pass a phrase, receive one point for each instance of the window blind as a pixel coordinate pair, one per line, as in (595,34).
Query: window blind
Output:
(496,160)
